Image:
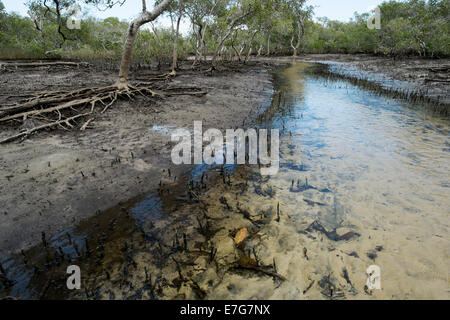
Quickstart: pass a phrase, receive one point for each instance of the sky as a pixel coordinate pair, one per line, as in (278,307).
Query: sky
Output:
(333,9)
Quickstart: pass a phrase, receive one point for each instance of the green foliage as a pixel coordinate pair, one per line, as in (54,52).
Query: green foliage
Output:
(413,27)
(410,27)
(19,39)
(160,48)
(96,40)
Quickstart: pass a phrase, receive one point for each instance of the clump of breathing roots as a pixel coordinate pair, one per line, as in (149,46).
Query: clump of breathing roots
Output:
(76,109)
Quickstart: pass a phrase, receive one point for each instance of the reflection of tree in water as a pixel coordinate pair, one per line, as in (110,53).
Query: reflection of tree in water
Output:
(288,92)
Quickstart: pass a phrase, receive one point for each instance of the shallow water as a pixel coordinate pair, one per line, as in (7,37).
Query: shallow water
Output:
(384,166)
(364,180)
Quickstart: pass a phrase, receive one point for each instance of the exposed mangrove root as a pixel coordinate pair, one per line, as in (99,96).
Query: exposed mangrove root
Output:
(61,108)
(44,126)
(230,67)
(160,77)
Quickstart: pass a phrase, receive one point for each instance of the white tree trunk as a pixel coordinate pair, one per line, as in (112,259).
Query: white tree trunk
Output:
(227,34)
(249,52)
(294,48)
(260,50)
(301,32)
(202,32)
(197,44)
(175,44)
(144,17)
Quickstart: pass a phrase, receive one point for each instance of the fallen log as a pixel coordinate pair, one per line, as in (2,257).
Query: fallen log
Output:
(437,80)
(42,64)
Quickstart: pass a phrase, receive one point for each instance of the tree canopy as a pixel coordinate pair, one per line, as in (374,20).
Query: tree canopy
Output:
(233,27)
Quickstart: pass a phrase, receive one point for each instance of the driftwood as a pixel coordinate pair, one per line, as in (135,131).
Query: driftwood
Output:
(42,64)
(437,80)
(444,68)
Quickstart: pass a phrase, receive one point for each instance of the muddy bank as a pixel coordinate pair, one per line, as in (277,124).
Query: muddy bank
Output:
(56,179)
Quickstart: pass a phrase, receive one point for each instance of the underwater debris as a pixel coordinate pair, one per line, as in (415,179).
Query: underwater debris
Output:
(329,289)
(332,235)
(314,203)
(371,254)
(248,263)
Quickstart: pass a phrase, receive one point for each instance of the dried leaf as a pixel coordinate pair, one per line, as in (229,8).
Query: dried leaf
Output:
(247,262)
(241,235)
